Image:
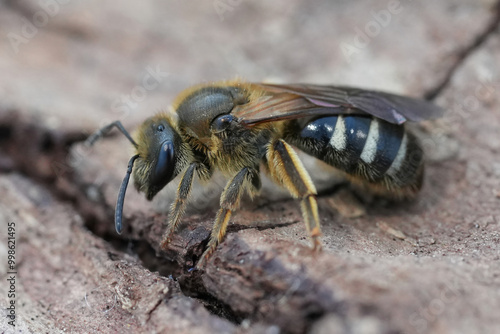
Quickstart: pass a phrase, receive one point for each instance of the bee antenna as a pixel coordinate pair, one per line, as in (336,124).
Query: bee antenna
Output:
(104,131)
(121,196)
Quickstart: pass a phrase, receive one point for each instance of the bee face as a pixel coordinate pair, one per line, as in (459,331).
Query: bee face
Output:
(158,146)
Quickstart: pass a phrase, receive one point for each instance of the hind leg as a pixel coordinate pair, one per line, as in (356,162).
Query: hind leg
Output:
(286,169)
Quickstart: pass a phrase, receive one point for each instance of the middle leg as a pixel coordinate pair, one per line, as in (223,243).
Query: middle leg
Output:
(248,178)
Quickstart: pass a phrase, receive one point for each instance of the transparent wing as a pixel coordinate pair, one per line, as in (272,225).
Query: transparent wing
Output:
(300,100)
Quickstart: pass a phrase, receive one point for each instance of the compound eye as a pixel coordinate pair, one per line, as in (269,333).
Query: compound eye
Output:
(221,123)
(165,165)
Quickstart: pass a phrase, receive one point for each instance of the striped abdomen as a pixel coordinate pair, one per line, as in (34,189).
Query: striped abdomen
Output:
(382,155)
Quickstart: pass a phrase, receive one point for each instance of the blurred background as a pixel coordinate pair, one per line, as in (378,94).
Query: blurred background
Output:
(80,63)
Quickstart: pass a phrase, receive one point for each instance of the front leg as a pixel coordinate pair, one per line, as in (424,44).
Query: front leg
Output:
(287,169)
(248,178)
(179,205)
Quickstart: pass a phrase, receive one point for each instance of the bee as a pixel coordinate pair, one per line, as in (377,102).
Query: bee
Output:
(240,128)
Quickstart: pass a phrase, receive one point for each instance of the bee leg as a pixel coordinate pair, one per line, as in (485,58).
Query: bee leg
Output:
(179,205)
(248,178)
(287,169)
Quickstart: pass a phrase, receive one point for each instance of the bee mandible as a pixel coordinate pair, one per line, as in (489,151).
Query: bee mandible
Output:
(239,128)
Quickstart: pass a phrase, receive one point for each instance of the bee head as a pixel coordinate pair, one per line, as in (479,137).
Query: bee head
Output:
(160,156)
(157,147)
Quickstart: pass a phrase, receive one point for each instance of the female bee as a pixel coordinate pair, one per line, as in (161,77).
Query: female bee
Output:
(239,128)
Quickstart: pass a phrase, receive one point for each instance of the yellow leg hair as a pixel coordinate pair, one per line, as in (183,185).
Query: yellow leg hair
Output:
(287,169)
(229,202)
(178,207)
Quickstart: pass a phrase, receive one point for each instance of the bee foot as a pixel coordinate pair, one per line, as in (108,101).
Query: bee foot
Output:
(317,246)
(204,258)
(165,242)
